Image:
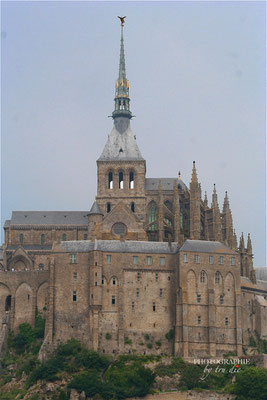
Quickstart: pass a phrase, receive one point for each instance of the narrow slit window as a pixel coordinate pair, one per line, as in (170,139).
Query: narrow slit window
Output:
(154,307)
(198,298)
(221,300)
(132,207)
(74,295)
(121,180)
(132,305)
(110,180)
(199,320)
(21,238)
(64,237)
(131,180)
(108,207)
(113,300)
(42,239)
(75,276)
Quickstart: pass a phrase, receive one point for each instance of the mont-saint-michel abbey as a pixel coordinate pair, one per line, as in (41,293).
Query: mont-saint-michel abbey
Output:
(151,260)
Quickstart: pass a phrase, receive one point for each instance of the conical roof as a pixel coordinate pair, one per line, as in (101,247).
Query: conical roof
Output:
(95,209)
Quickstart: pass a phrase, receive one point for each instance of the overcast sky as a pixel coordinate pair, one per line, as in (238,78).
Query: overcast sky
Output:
(197,87)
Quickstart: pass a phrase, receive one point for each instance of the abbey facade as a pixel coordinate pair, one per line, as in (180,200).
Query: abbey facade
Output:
(151,268)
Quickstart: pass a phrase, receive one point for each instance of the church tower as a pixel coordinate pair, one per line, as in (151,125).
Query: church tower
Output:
(121,168)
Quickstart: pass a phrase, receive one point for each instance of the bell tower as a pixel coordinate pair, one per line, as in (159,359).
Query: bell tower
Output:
(121,168)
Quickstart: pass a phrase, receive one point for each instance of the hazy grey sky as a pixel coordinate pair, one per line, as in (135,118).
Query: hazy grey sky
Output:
(197,87)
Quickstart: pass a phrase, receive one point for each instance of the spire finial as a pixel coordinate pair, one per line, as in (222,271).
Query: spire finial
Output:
(122,99)
(194,173)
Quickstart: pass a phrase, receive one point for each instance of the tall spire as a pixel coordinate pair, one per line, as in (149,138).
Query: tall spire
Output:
(122,99)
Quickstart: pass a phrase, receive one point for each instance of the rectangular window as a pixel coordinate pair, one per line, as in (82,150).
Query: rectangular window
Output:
(132,305)
(221,260)
(135,260)
(73,259)
(102,281)
(75,276)
(199,320)
(137,292)
(162,260)
(232,260)
(226,321)
(85,236)
(109,258)
(196,258)
(160,292)
(221,299)
(198,298)
(157,277)
(113,300)
(95,283)
(74,295)
(154,306)
(211,259)
(148,260)
(138,276)
(185,258)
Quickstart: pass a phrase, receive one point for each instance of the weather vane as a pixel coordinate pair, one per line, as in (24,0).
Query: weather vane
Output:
(122,20)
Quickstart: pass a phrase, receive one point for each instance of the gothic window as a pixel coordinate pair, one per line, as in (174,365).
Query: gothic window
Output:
(73,259)
(131,180)
(114,281)
(64,237)
(152,216)
(120,180)
(181,220)
(217,277)
(168,204)
(211,259)
(119,228)
(42,239)
(132,207)
(110,180)
(108,207)
(168,221)
(202,276)
(167,235)
(21,238)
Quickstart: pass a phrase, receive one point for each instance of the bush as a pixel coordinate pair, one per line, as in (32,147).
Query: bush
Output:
(158,343)
(170,335)
(149,345)
(147,336)
(252,341)
(108,336)
(127,340)
(251,384)
(190,376)
(89,381)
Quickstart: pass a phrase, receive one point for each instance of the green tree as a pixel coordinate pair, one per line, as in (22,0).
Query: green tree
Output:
(251,384)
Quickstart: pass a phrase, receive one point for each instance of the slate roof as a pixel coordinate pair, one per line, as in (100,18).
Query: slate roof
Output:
(204,246)
(49,218)
(261,300)
(117,246)
(30,247)
(121,147)
(166,183)
(7,223)
(95,209)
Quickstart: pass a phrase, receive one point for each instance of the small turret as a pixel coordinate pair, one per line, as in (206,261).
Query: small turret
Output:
(95,216)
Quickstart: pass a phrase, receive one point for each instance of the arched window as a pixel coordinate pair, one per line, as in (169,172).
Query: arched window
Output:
(132,206)
(168,221)
(217,277)
(42,239)
(121,180)
(41,267)
(202,276)
(181,220)
(108,207)
(131,180)
(168,204)
(8,303)
(152,216)
(64,237)
(110,180)
(21,238)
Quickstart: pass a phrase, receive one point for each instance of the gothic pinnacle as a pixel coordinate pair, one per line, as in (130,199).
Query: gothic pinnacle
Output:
(241,243)
(249,245)
(194,173)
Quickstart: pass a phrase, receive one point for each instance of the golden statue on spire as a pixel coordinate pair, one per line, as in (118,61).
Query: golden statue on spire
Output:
(122,20)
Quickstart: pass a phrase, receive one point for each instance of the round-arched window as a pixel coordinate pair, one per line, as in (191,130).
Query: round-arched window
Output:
(119,228)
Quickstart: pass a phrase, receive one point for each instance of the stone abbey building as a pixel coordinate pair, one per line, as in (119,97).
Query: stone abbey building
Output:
(151,268)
